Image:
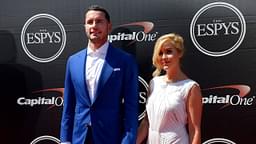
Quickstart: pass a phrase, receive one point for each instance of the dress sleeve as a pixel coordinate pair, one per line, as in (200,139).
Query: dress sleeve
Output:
(188,87)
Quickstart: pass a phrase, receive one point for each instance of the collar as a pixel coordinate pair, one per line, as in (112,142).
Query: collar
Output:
(100,51)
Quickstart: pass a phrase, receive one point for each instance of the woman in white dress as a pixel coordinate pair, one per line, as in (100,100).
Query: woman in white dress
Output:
(174,105)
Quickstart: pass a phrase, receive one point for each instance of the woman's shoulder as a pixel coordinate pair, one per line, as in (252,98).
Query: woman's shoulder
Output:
(157,78)
(192,82)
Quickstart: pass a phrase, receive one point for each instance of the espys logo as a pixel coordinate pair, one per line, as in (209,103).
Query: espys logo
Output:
(124,34)
(45,139)
(219,141)
(228,95)
(43,38)
(143,90)
(217,29)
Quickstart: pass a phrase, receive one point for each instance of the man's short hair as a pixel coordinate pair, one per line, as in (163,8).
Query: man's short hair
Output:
(99,8)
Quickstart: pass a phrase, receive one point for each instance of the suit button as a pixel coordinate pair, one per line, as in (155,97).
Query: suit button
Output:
(88,125)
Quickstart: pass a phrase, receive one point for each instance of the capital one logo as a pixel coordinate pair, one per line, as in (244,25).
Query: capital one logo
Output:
(227,95)
(123,32)
(43,38)
(54,98)
(217,29)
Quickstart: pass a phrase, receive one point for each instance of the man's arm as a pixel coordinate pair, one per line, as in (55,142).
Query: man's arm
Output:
(131,101)
(68,108)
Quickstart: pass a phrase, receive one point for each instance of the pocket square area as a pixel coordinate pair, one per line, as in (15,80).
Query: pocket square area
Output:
(117,69)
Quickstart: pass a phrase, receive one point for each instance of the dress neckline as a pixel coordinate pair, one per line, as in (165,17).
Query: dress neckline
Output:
(173,83)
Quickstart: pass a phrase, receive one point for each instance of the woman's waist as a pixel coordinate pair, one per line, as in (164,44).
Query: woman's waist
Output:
(178,128)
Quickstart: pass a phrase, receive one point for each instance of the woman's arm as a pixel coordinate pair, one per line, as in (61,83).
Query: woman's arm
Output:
(144,124)
(194,109)
(142,130)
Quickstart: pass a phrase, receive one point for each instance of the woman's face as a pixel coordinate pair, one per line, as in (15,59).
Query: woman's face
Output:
(169,56)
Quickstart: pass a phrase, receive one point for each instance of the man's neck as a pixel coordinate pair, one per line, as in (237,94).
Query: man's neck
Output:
(95,45)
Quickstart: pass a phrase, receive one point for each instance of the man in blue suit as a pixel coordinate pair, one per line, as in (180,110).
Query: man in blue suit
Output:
(101,89)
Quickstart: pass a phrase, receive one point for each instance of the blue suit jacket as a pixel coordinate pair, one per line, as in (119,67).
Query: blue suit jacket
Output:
(112,122)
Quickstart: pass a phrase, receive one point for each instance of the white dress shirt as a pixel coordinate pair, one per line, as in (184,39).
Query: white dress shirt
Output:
(94,65)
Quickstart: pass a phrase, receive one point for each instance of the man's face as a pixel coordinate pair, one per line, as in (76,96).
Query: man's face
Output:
(97,26)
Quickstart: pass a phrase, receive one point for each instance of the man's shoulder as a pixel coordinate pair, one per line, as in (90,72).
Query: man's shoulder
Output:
(78,54)
(119,51)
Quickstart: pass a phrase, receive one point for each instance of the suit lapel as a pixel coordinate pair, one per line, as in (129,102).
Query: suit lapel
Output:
(83,73)
(105,73)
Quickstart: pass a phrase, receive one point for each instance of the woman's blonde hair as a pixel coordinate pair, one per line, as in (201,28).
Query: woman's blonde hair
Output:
(175,39)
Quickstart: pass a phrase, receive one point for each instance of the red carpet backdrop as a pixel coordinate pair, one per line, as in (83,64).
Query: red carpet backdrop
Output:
(36,38)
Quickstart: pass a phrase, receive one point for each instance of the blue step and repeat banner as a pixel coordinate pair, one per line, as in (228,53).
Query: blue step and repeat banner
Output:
(36,38)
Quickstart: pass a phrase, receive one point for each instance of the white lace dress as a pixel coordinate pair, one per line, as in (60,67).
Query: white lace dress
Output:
(166,110)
